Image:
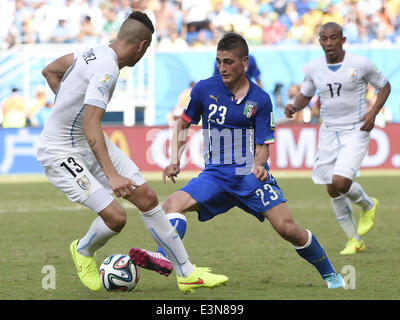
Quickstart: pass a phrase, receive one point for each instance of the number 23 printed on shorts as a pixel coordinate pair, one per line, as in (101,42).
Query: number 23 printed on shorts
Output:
(266,193)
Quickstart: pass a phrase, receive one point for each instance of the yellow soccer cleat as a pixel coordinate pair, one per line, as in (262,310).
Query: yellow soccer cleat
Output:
(200,277)
(353,246)
(86,267)
(367,218)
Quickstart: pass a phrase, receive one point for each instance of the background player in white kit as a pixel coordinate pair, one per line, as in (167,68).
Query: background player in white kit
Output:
(341,79)
(80,161)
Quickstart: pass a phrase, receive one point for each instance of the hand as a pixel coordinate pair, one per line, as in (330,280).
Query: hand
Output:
(290,110)
(369,121)
(171,172)
(121,186)
(260,173)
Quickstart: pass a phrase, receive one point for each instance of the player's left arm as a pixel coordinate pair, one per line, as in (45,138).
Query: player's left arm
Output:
(260,160)
(369,117)
(54,72)
(264,135)
(122,186)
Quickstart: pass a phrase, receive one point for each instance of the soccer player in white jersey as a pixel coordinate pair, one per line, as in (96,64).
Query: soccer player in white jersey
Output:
(79,160)
(341,78)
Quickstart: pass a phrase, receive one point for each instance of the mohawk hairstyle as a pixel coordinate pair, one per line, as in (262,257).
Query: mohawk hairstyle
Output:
(143,18)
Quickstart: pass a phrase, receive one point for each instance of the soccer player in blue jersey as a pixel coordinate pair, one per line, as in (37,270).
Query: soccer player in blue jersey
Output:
(238,127)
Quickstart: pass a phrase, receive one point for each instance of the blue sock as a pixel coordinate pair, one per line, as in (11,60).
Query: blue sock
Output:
(316,255)
(178,221)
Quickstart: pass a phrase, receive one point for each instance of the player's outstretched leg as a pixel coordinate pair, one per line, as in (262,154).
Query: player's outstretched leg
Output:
(151,260)
(306,245)
(86,268)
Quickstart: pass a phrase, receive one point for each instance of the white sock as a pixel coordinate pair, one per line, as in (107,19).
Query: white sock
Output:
(95,238)
(359,197)
(342,207)
(165,235)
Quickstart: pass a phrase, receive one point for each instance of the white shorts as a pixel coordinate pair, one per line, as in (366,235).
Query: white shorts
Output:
(340,152)
(77,173)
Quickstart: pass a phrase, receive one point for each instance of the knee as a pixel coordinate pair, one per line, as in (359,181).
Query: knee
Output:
(117,221)
(169,205)
(286,230)
(341,185)
(291,232)
(177,202)
(147,200)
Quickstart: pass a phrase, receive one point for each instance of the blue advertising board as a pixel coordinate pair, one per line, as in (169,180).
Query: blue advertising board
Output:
(18,151)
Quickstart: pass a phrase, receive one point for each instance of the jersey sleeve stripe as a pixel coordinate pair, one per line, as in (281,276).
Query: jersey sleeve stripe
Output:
(186,118)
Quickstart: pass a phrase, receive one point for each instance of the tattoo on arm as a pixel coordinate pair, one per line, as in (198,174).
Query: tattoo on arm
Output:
(92,145)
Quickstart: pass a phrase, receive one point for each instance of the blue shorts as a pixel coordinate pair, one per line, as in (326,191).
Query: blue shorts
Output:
(214,195)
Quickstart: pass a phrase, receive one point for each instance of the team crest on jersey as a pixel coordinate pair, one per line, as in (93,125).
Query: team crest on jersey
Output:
(352,74)
(250,109)
(84,182)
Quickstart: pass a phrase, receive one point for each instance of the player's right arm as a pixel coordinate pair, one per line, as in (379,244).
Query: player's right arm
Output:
(191,114)
(178,144)
(301,101)
(306,93)
(54,72)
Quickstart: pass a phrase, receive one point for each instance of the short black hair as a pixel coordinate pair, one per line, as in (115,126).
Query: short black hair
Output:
(143,18)
(332,25)
(233,41)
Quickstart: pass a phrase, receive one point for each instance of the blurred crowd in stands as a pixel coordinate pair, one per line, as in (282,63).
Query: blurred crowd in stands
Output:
(187,23)
(18,112)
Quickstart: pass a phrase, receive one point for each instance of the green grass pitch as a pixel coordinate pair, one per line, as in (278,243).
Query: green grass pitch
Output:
(38,223)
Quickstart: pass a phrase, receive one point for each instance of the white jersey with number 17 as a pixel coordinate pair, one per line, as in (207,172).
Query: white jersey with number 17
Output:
(343,91)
